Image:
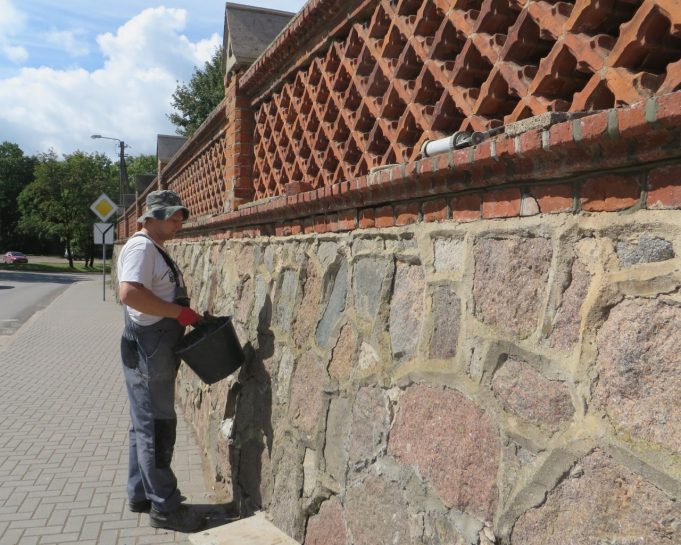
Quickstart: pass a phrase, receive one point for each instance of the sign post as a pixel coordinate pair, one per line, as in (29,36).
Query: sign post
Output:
(104,207)
(103,234)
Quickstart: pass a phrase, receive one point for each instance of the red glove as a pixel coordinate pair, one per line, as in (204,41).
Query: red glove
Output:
(187,316)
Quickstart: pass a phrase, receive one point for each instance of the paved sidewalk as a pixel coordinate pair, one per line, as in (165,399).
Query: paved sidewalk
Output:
(63,430)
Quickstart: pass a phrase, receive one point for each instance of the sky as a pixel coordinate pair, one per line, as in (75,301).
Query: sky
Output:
(73,68)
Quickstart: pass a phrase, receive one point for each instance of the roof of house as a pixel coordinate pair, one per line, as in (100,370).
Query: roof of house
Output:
(167,145)
(248,31)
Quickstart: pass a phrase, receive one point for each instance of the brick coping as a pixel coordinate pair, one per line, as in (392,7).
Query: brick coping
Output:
(645,133)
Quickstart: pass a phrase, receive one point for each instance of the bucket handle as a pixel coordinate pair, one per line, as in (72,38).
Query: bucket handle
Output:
(207,319)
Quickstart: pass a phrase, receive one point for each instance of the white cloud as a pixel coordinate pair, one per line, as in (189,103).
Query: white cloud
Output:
(11,22)
(11,19)
(151,39)
(128,98)
(69,41)
(15,53)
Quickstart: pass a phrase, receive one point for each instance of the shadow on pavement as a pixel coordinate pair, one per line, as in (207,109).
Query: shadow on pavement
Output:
(216,514)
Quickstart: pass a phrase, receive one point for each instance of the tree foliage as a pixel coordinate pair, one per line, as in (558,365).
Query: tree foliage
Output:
(195,100)
(16,172)
(57,203)
(140,164)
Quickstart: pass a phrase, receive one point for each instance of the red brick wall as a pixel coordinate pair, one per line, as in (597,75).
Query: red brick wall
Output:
(394,74)
(608,161)
(239,148)
(348,87)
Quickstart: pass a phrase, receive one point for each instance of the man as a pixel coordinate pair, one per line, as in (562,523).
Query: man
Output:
(156,313)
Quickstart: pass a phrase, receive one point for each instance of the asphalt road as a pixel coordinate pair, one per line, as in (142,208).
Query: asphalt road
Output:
(24,293)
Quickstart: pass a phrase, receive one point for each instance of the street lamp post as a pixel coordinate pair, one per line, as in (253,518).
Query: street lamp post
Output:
(121,204)
(121,169)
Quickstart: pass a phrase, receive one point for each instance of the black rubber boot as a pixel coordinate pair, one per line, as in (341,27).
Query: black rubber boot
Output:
(143,506)
(180,520)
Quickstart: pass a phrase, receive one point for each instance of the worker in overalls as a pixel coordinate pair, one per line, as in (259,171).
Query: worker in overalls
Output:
(156,313)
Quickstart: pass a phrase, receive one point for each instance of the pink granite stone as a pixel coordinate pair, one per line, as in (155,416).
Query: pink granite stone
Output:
(565,328)
(328,526)
(639,368)
(306,403)
(601,502)
(453,444)
(377,513)
(525,392)
(510,280)
(307,312)
(343,355)
(369,428)
(406,310)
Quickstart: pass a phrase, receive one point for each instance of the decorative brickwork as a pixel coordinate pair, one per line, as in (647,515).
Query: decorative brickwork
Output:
(595,151)
(197,172)
(129,223)
(389,75)
(208,167)
(407,71)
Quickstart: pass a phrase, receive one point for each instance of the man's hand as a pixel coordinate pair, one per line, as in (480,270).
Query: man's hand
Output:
(187,316)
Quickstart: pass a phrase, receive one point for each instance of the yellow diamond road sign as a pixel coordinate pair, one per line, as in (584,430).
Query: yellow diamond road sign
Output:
(103,207)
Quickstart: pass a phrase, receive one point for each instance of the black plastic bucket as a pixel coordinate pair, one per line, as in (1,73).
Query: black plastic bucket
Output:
(212,349)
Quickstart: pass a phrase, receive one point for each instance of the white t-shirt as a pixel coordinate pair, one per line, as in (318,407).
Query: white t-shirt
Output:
(141,262)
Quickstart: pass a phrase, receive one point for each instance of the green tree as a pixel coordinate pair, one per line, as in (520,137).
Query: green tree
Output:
(16,172)
(195,100)
(140,164)
(57,203)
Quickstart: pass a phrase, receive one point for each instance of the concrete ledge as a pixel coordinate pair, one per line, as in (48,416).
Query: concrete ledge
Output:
(255,530)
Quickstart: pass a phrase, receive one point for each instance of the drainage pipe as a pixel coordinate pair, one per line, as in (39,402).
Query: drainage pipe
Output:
(458,140)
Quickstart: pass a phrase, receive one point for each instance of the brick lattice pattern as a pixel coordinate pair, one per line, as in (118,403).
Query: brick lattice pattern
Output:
(414,70)
(201,183)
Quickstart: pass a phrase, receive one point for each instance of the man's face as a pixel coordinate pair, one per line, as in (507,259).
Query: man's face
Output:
(166,229)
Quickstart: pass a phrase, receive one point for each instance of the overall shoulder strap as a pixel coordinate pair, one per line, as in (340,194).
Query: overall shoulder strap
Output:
(165,256)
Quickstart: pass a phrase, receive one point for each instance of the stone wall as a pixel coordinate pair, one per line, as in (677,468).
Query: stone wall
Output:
(473,348)
(508,381)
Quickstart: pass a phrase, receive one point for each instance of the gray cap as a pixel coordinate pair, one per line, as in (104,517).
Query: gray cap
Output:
(163,204)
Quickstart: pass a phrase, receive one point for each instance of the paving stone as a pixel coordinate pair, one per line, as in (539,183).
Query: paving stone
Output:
(63,430)
(11,537)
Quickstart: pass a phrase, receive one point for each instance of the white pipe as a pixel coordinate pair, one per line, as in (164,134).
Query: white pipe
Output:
(433,147)
(444,145)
